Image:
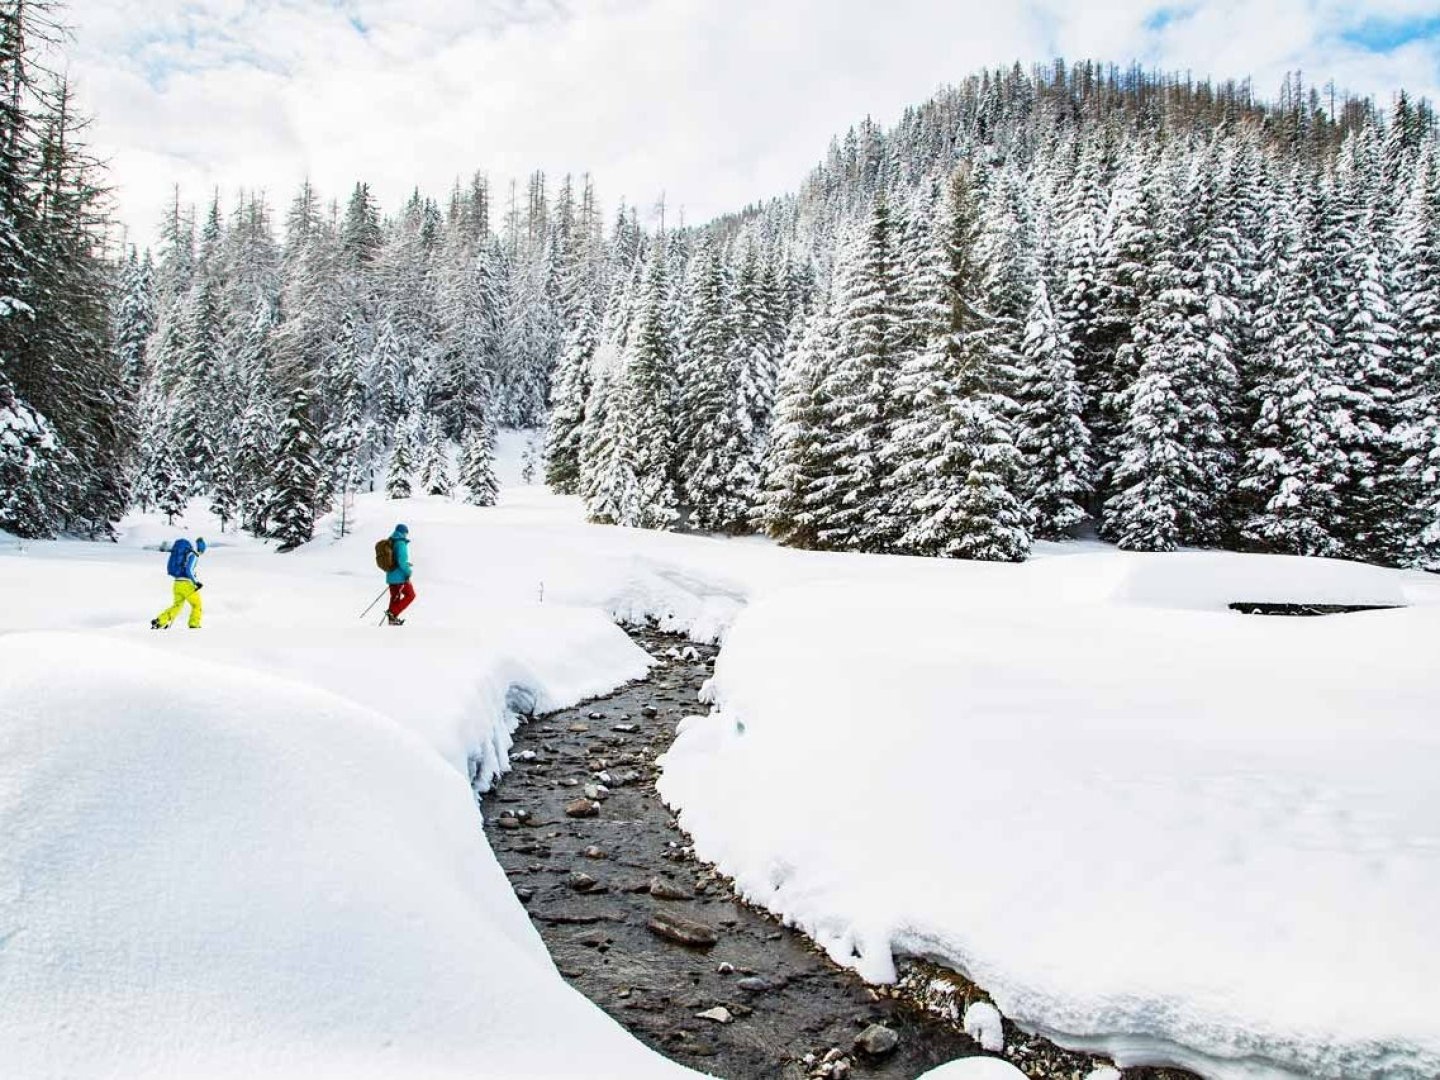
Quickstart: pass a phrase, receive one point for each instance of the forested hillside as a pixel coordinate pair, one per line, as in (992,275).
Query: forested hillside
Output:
(1044,299)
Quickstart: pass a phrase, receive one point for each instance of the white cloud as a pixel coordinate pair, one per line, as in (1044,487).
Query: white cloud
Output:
(714,103)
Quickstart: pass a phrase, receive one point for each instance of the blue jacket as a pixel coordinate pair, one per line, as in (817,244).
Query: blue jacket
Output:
(190,559)
(400,544)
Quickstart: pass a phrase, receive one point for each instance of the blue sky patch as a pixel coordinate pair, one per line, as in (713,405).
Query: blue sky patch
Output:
(1163,17)
(1382,35)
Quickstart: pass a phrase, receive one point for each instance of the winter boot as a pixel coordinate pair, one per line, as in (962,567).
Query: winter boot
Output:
(155,625)
(391,620)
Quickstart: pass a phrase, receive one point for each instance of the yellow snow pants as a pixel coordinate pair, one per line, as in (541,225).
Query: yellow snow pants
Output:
(185,592)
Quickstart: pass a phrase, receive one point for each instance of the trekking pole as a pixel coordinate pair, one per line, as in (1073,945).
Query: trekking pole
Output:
(377,599)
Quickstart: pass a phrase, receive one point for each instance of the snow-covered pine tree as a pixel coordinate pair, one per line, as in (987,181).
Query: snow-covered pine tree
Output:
(434,460)
(134,318)
(1419,236)
(607,478)
(1295,463)
(295,484)
(1176,452)
(848,497)
(649,402)
(1373,501)
(392,373)
(785,512)
(224,490)
(402,461)
(1052,435)
(477,464)
(1084,240)
(33,462)
(607,474)
(752,360)
(1108,362)
(709,431)
(960,464)
(360,234)
(309,296)
(569,391)
(171,479)
(923,321)
(255,444)
(340,452)
(200,383)
(55,319)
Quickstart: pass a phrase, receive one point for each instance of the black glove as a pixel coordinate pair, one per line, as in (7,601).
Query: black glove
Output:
(198,586)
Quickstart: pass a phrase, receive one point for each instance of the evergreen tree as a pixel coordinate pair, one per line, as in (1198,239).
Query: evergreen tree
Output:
(959,463)
(171,480)
(1295,466)
(711,434)
(1374,509)
(607,478)
(402,463)
(33,463)
(134,318)
(477,465)
(434,460)
(254,453)
(786,512)
(569,393)
(1052,435)
(1176,457)
(296,483)
(1419,235)
(224,491)
(848,497)
(649,404)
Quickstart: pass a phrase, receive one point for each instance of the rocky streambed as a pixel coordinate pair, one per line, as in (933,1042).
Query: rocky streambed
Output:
(660,941)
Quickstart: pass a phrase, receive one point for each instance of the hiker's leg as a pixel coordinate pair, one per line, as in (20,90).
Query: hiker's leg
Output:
(400,601)
(395,592)
(195,608)
(166,617)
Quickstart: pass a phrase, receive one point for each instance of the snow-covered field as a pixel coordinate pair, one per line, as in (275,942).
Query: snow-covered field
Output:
(1142,821)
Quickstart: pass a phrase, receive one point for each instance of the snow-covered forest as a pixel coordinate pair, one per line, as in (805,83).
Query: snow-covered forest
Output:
(1044,299)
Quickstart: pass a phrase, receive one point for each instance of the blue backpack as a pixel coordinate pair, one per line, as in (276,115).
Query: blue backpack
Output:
(179,553)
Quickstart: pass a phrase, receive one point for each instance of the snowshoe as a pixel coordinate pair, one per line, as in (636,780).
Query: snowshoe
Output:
(391,620)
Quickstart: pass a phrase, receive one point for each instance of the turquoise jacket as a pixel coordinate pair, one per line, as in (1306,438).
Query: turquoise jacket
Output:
(400,544)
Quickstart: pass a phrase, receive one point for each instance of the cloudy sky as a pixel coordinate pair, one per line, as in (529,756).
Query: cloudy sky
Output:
(715,103)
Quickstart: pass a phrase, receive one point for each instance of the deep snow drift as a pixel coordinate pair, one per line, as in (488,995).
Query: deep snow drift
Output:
(208,872)
(1134,816)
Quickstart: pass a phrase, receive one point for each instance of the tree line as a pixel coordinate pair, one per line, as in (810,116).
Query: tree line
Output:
(1044,302)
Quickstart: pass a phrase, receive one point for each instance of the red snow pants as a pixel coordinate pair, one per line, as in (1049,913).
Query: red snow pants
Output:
(401,596)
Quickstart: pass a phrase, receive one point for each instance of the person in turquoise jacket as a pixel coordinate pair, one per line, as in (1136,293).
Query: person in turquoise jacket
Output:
(402,593)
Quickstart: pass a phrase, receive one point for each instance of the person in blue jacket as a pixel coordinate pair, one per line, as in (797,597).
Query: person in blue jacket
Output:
(402,593)
(185,588)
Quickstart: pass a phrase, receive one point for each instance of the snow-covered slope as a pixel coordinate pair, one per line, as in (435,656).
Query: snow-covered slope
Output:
(1136,817)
